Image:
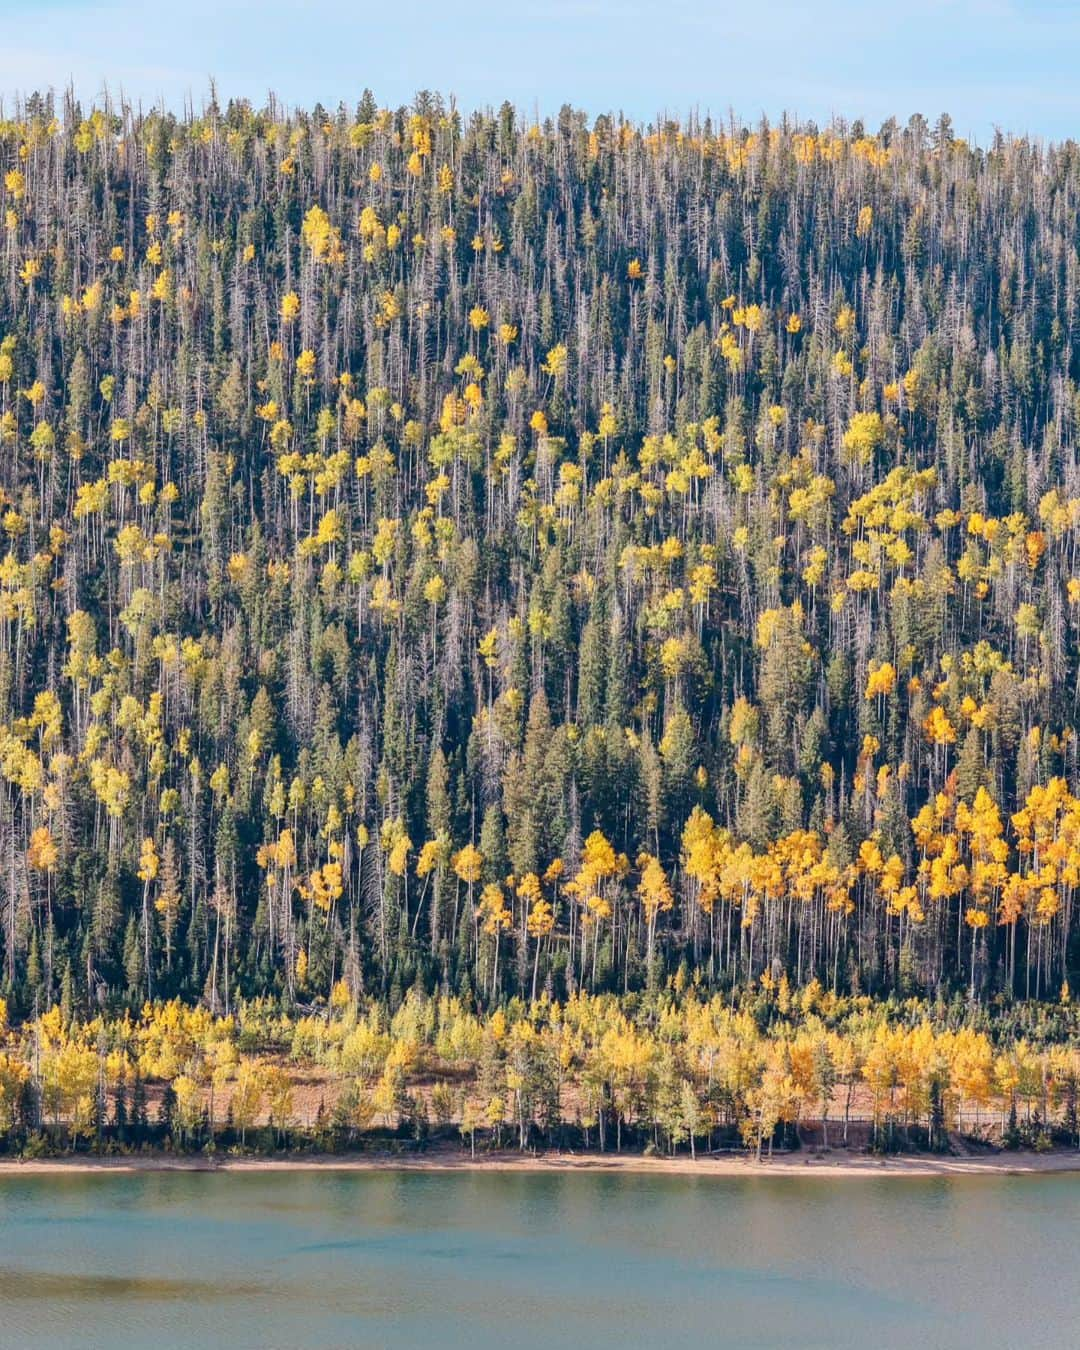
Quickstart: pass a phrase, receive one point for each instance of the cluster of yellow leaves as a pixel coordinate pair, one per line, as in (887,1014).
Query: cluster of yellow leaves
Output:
(322,238)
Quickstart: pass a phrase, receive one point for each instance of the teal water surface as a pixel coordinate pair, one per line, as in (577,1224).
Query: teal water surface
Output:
(322,1260)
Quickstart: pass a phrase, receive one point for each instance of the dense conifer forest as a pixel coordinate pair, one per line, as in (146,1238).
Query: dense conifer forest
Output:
(508,560)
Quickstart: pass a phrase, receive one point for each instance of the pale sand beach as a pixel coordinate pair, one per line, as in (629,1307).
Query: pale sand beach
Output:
(833,1164)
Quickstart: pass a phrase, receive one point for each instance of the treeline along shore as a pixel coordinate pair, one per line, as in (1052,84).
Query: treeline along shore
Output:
(678,1074)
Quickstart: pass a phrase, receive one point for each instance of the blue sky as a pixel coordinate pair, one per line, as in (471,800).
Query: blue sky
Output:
(987,62)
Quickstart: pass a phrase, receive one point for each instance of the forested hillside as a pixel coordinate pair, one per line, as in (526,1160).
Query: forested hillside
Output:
(451,551)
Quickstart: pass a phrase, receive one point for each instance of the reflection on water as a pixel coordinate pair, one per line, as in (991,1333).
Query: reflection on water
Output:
(325,1260)
(49,1284)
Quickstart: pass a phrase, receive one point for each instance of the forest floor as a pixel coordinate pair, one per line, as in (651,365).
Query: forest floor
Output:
(833,1163)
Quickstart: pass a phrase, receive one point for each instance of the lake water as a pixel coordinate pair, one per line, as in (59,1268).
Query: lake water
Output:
(478,1260)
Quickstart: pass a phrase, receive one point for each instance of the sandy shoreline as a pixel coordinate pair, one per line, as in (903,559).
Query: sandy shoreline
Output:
(838,1164)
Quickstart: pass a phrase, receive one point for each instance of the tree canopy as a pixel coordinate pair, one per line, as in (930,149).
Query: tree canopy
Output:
(515,557)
